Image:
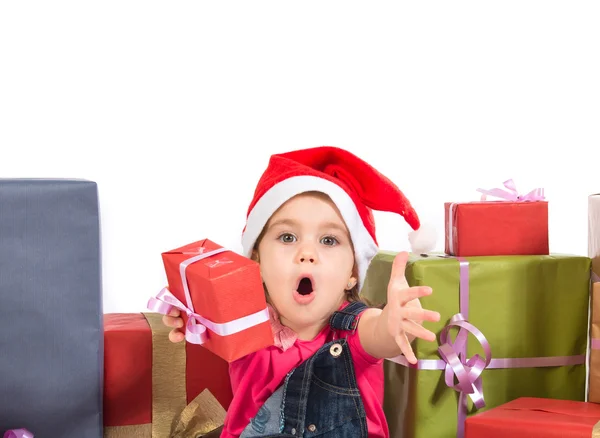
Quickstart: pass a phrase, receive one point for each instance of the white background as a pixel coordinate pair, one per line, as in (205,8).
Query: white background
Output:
(174,108)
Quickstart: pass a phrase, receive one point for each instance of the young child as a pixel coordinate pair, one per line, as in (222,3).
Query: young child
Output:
(310,227)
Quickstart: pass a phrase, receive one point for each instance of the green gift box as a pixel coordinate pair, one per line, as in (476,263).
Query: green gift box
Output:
(531,310)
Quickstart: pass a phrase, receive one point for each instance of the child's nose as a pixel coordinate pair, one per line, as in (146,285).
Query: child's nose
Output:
(306,255)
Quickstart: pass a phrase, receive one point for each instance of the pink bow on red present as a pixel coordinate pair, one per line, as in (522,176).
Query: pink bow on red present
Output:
(511,194)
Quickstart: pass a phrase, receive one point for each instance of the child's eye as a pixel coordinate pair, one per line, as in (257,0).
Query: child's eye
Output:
(287,238)
(329,241)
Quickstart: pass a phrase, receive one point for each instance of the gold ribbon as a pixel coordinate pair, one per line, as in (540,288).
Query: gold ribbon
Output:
(171,416)
(596,430)
(135,431)
(203,417)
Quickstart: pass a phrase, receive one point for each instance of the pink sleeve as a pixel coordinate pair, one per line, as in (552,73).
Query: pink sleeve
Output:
(359,353)
(237,369)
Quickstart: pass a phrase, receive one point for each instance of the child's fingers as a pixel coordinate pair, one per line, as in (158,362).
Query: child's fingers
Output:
(405,347)
(176,336)
(174,312)
(418,314)
(412,293)
(172,321)
(418,330)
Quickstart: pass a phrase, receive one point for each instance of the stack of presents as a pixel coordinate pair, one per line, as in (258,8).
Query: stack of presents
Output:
(517,355)
(514,332)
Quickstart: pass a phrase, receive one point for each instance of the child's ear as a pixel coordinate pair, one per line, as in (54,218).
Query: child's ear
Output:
(351,283)
(256,258)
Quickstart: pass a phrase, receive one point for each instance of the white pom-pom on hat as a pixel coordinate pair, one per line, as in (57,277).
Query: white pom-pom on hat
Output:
(423,240)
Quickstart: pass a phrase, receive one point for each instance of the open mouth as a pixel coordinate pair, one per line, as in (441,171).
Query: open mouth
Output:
(305,286)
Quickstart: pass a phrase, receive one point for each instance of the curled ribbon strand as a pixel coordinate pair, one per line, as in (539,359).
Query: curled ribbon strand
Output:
(18,433)
(511,194)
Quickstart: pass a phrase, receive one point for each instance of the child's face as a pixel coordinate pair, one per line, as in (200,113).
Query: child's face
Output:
(306,238)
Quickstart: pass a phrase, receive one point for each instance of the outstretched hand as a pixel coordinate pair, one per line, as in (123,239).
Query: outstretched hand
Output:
(404,311)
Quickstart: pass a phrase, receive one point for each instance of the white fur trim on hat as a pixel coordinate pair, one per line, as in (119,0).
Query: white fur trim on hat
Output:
(365,247)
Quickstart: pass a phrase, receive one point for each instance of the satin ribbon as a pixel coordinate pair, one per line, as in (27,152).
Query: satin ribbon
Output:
(195,331)
(18,433)
(469,372)
(511,193)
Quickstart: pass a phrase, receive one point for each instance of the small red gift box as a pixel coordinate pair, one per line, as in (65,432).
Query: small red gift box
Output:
(530,417)
(515,226)
(150,383)
(221,296)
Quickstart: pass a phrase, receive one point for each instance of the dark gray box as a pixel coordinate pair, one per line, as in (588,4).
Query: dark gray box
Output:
(51,333)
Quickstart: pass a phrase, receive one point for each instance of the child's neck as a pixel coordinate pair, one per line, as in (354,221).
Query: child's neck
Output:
(308,332)
(305,333)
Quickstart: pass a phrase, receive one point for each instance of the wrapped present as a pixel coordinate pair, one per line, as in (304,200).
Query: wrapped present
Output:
(594,233)
(594,254)
(51,310)
(516,225)
(509,344)
(528,417)
(221,296)
(594,366)
(156,388)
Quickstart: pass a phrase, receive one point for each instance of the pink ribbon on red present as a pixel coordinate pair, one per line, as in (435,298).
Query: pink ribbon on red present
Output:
(195,331)
(511,194)
(469,372)
(18,433)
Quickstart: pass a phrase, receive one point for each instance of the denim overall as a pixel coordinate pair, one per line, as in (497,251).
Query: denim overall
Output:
(320,397)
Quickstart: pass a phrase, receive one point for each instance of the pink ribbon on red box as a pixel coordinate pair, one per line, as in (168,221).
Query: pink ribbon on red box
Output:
(469,372)
(511,194)
(195,331)
(18,433)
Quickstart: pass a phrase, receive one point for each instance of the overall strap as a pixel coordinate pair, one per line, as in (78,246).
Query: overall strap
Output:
(347,318)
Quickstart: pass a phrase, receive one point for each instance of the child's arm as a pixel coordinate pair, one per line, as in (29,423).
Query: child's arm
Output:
(388,333)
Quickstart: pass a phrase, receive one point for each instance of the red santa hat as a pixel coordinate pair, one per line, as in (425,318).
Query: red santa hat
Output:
(354,186)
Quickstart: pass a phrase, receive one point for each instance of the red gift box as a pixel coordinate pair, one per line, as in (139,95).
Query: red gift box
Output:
(516,226)
(536,418)
(149,381)
(221,296)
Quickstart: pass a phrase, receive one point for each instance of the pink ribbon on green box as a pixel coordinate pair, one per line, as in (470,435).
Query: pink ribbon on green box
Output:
(469,372)
(195,331)
(18,433)
(511,193)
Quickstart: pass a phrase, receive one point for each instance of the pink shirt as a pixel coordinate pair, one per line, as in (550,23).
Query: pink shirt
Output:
(255,377)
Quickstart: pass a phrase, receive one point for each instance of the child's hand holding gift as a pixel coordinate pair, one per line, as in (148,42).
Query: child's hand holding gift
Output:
(175,321)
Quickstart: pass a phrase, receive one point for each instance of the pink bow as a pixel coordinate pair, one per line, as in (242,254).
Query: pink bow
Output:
(18,433)
(195,330)
(511,194)
(284,337)
(467,371)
